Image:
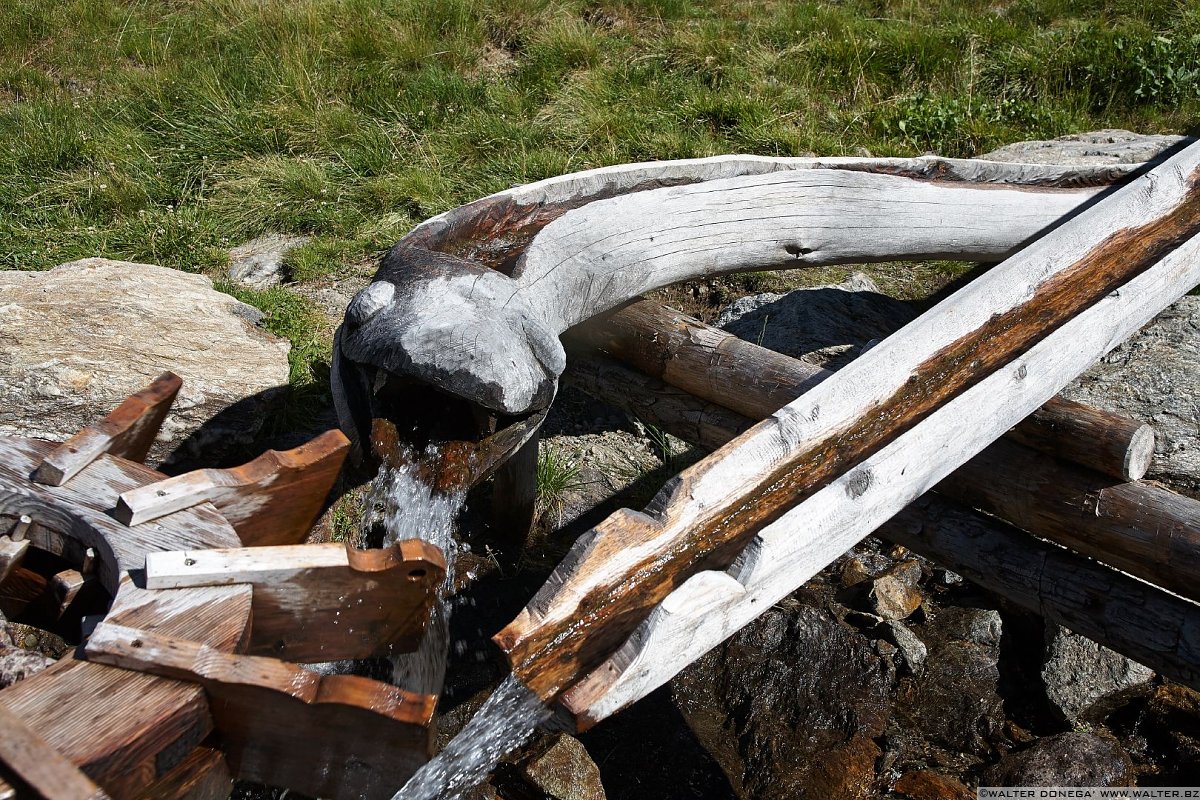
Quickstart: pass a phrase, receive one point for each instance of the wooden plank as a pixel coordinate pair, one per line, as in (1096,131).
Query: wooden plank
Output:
(319,602)
(286,726)
(854,450)
(128,432)
(42,767)
(514,496)
(271,500)
(717,366)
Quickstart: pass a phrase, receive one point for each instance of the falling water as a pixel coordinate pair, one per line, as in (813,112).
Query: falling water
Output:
(407,508)
(502,724)
(410,508)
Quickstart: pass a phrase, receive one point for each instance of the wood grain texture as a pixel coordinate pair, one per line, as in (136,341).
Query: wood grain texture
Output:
(202,775)
(336,736)
(1145,530)
(860,446)
(128,432)
(515,494)
(43,768)
(754,381)
(319,602)
(272,500)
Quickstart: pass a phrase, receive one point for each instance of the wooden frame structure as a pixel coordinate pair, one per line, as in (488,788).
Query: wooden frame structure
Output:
(199,584)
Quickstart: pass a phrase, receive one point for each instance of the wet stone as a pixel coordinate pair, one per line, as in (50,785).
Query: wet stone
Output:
(929,785)
(894,595)
(912,650)
(954,703)
(563,770)
(1076,758)
(1085,679)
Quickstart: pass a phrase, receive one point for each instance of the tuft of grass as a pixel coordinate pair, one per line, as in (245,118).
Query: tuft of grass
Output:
(557,479)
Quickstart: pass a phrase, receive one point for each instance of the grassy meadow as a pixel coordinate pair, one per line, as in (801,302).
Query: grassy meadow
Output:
(168,131)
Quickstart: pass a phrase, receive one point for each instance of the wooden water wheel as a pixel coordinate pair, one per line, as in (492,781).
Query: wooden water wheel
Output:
(192,599)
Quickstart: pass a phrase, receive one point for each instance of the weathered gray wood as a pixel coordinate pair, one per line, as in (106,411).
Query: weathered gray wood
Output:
(514,495)
(858,447)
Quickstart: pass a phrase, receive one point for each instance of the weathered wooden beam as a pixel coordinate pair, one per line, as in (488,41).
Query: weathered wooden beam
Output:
(1151,626)
(1145,530)
(857,448)
(128,432)
(45,770)
(514,495)
(11,555)
(287,726)
(272,500)
(318,602)
(202,775)
(755,381)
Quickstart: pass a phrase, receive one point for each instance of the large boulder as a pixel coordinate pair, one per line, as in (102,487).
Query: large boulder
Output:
(77,339)
(1085,679)
(1075,758)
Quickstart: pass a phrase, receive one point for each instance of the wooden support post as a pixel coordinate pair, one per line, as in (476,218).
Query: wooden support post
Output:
(717,366)
(44,769)
(285,725)
(128,432)
(11,555)
(318,602)
(514,496)
(272,500)
(803,486)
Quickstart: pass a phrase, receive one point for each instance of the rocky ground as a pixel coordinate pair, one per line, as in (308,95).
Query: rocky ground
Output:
(885,676)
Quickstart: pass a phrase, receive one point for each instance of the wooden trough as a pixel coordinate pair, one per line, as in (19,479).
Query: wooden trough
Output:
(192,598)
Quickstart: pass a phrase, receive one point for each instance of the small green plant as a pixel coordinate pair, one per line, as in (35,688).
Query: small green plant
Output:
(664,446)
(557,478)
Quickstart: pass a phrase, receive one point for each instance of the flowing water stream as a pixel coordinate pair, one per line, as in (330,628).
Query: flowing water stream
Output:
(408,507)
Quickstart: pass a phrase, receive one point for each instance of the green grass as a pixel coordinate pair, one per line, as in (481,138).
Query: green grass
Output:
(168,132)
(557,478)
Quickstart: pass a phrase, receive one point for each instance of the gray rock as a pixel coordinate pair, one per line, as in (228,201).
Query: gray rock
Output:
(982,626)
(954,703)
(1081,676)
(912,650)
(1109,146)
(825,325)
(17,664)
(1077,758)
(77,339)
(563,770)
(259,262)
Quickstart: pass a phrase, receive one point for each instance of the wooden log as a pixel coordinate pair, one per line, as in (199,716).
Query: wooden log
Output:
(1109,443)
(45,770)
(319,602)
(1145,530)
(854,450)
(272,500)
(756,382)
(1147,624)
(284,725)
(128,432)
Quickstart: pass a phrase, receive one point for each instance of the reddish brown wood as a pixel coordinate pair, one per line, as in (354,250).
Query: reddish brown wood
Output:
(717,366)
(128,432)
(286,726)
(548,656)
(272,500)
(203,775)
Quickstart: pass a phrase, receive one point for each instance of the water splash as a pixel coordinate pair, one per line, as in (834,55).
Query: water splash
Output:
(409,508)
(502,724)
